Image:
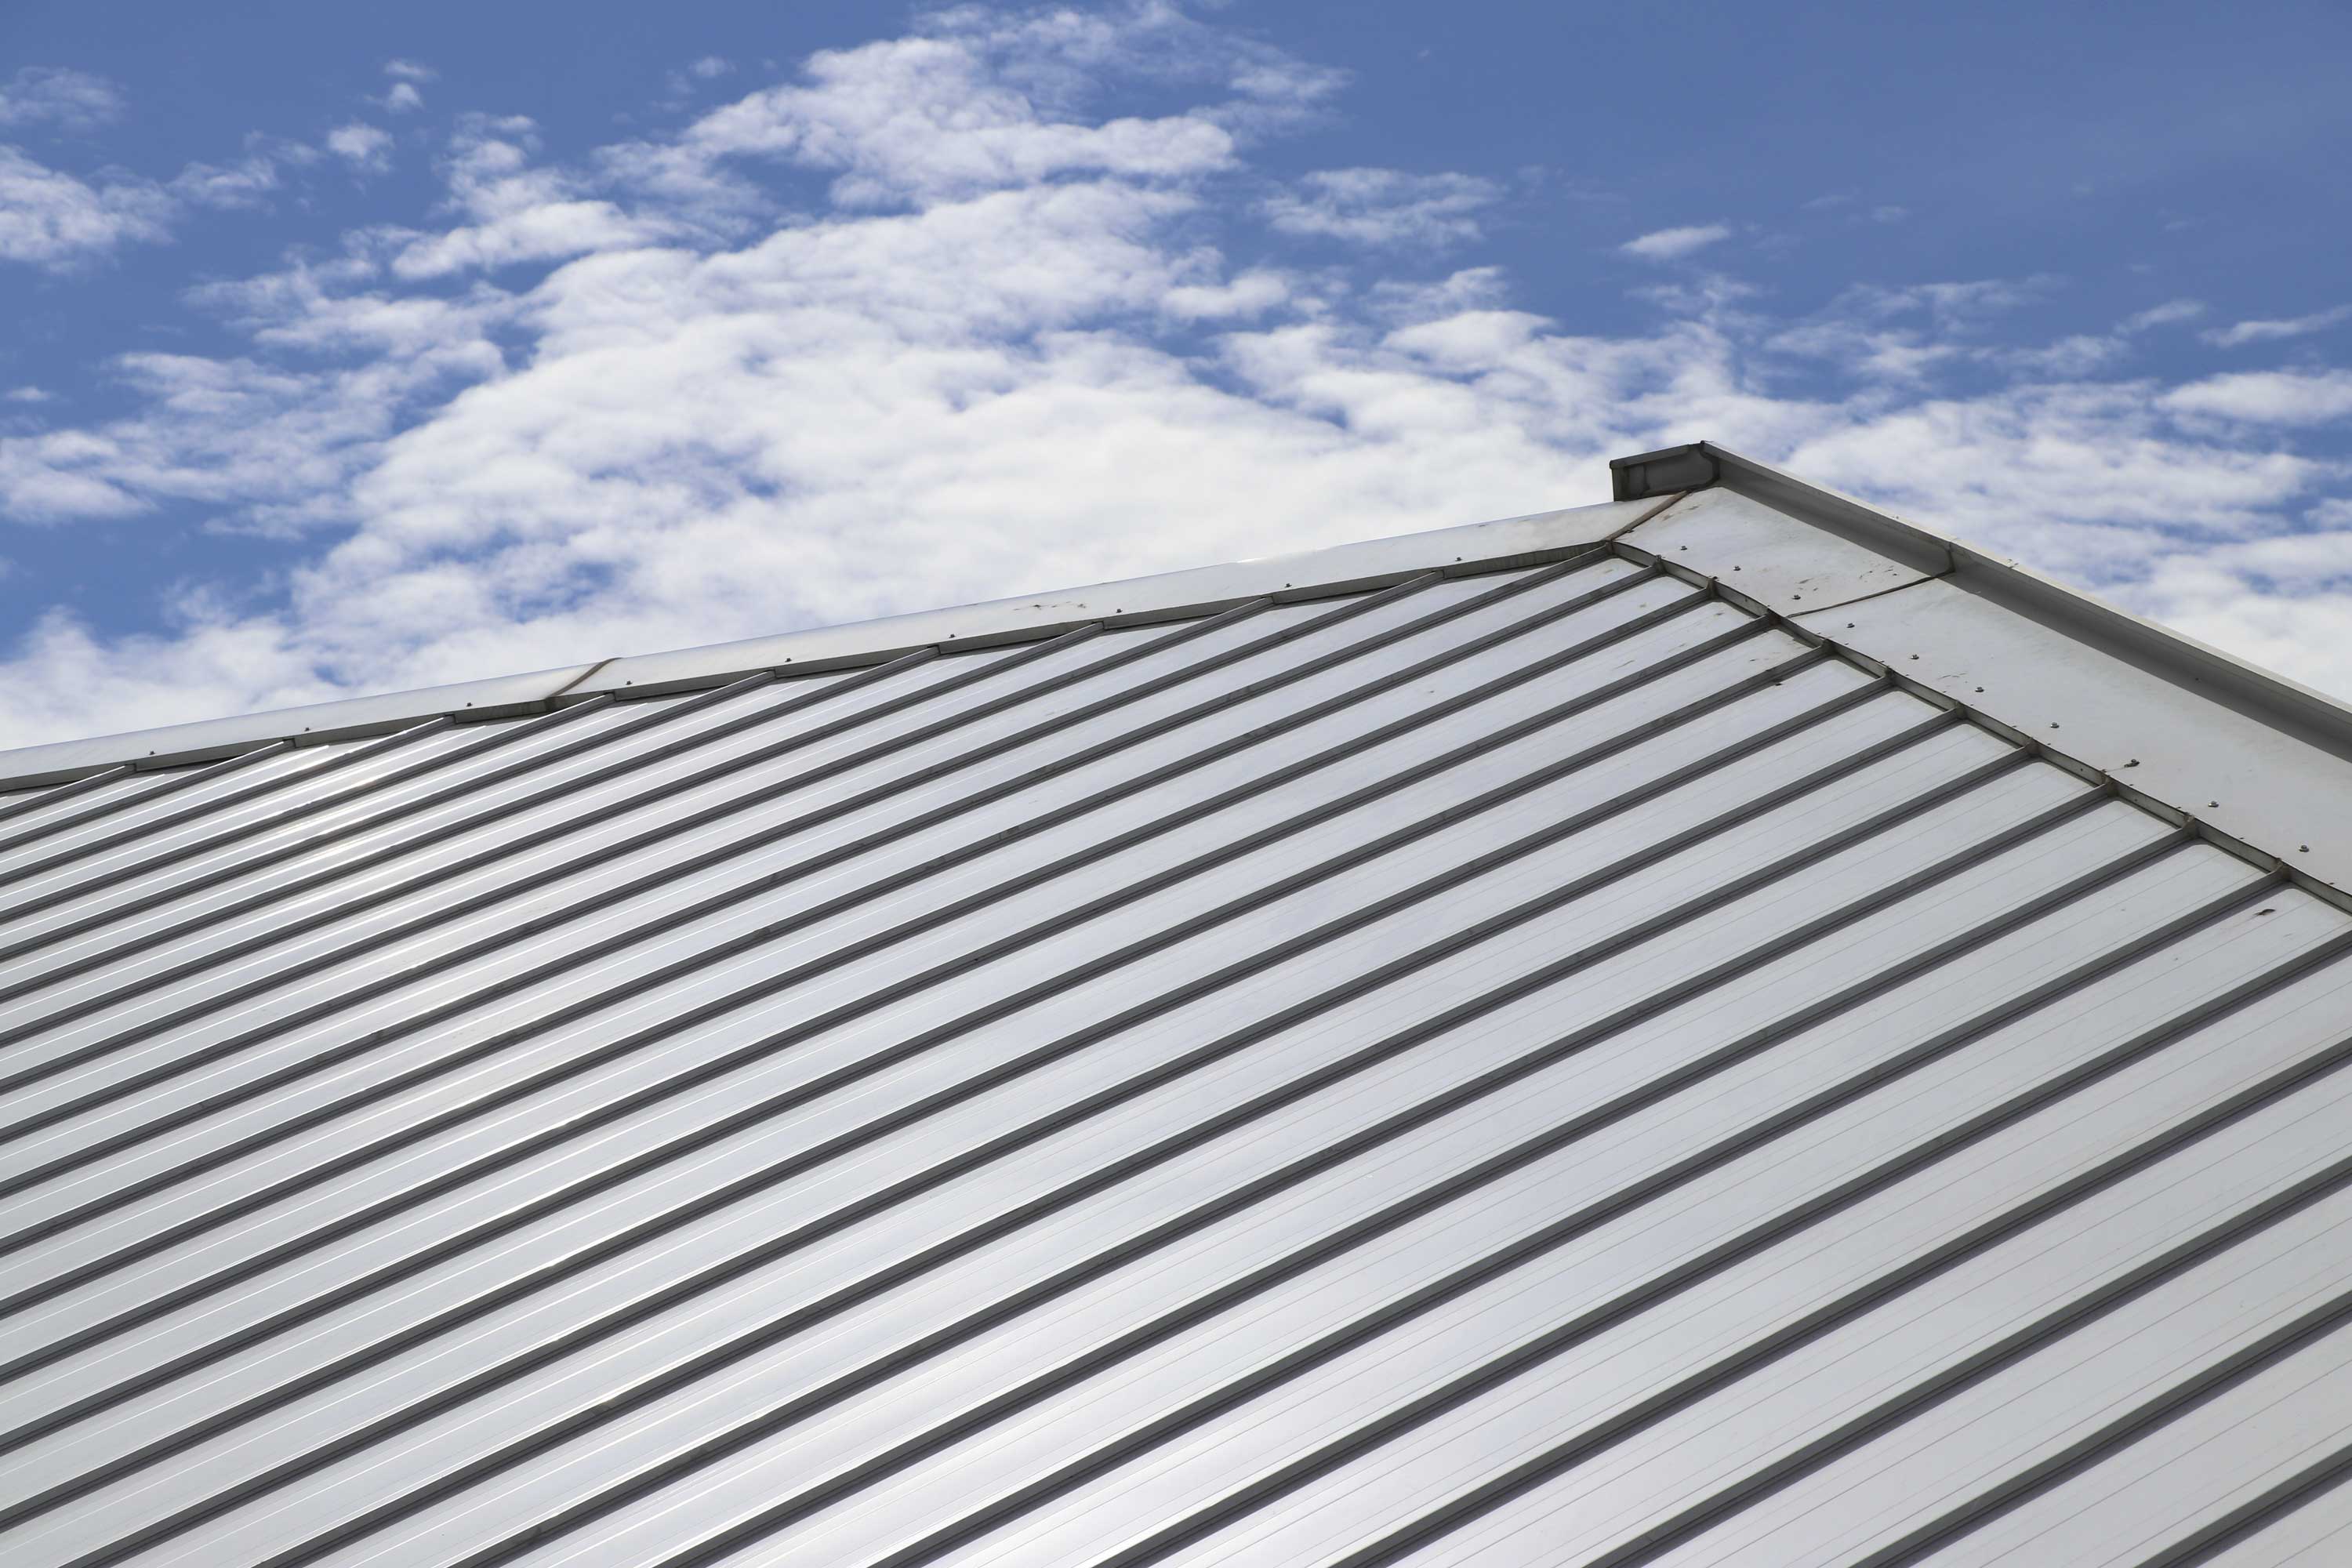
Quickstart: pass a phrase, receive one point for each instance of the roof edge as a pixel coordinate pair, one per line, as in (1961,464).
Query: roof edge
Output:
(1532,539)
(2313,717)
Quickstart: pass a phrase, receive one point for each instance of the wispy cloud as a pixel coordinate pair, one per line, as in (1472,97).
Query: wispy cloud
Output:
(53,95)
(1383,207)
(2172,312)
(248,183)
(1674,244)
(2268,396)
(2244,332)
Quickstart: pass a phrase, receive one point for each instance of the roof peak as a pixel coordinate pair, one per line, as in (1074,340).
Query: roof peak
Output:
(2214,739)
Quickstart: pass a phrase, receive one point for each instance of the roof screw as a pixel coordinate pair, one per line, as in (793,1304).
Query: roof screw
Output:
(1914,655)
(1735,568)
(1849,626)
(2133,763)
(2054,723)
(2211,804)
(2304,847)
(1979,688)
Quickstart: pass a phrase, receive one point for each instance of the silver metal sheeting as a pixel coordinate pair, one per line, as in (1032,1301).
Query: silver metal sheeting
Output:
(1533,1068)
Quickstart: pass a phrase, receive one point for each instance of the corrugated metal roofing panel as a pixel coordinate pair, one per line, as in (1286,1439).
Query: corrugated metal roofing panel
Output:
(1552,1064)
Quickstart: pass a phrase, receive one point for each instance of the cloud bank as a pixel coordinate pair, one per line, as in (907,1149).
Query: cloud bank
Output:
(941,317)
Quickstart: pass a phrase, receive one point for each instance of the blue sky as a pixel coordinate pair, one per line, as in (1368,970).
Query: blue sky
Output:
(351,349)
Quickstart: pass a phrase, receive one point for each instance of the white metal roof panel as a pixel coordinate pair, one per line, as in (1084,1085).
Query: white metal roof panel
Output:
(1557,1056)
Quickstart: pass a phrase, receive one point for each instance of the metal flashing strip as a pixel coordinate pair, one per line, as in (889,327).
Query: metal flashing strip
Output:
(2091,661)
(1535,539)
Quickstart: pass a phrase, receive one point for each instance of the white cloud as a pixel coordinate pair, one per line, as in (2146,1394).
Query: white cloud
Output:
(1244,297)
(2170,314)
(1969,300)
(245,184)
(961,376)
(2270,331)
(403,97)
(26,394)
(711,67)
(70,100)
(1674,244)
(2267,396)
(53,220)
(518,211)
(925,120)
(365,147)
(1383,207)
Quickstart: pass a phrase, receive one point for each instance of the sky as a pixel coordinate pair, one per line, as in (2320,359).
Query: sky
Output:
(349,349)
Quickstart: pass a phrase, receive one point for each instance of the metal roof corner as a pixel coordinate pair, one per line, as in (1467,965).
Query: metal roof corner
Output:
(2251,755)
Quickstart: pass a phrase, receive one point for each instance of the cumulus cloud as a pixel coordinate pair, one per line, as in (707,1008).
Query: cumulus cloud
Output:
(515,210)
(52,219)
(642,399)
(402,96)
(1383,207)
(1246,296)
(367,148)
(53,95)
(2245,332)
(1674,244)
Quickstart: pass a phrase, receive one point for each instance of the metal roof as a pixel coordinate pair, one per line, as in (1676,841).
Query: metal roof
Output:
(1558,1042)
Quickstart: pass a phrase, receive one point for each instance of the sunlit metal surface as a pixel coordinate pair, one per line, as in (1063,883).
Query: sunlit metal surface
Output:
(1541,1065)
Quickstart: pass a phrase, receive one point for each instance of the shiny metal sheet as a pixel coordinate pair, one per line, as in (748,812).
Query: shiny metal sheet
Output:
(1535,1065)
